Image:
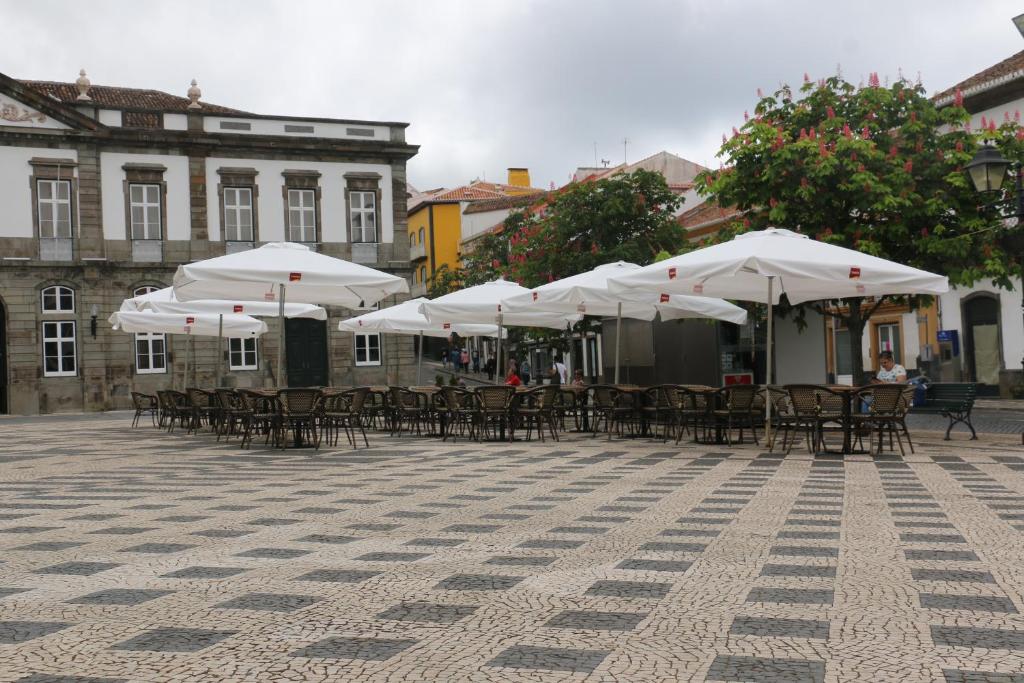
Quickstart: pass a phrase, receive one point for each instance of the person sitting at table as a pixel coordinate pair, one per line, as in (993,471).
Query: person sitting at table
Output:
(891,372)
(577,378)
(512,378)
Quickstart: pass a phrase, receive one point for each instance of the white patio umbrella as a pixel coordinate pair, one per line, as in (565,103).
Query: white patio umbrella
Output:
(405,318)
(281,270)
(483,304)
(206,325)
(164,301)
(588,293)
(761,265)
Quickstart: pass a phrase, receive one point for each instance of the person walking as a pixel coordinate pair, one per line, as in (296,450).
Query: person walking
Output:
(476,361)
(490,366)
(444,358)
(464,358)
(558,373)
(524,372)
(456,359)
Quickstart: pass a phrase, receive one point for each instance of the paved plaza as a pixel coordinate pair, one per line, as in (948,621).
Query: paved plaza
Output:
(133,555)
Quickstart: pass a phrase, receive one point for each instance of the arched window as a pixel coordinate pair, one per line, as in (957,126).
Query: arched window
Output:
(58,299)
(150,347)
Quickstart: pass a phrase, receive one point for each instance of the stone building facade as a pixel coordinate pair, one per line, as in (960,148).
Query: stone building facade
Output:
(104,191)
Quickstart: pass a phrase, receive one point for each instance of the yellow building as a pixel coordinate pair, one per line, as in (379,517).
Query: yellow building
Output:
(435,222)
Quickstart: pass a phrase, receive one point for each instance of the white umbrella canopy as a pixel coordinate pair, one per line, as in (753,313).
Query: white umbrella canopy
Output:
(204,325)
(803,268)
(207,325)
(761,265)
(483,304)
(164,301)
(280,271)
(588,293)
(309,277)
(405,318)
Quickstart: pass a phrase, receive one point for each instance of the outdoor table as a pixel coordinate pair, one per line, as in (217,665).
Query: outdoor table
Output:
(851,397)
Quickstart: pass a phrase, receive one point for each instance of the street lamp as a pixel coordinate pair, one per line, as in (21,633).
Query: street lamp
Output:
(988,169)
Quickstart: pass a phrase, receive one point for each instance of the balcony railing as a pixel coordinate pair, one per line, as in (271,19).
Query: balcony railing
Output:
(417,252)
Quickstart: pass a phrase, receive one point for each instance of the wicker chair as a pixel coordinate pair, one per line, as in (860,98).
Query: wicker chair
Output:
(408,408)
(144,404)
(536,407)
(736,411)
(343,411)
(232,410)
(660,406)
(300,414)
(887,411)
(205,409)
(694,410)
(803,400)
(783,416)
(613,406)
(262,415)
(495,403)
(174,407)
(461,413)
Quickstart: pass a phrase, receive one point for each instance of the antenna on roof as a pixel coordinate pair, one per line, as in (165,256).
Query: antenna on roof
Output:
(595,152)
(605,162)
(625,150)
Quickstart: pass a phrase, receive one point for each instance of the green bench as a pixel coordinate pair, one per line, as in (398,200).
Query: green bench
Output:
(953,400)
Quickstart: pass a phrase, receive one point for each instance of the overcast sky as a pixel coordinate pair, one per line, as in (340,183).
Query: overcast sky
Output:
(488,84)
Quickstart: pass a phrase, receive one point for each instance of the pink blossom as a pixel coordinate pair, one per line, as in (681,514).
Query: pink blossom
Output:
(913,116)
(746,116)
(984,122)
(1006,116)
(873,79)
(992,126)
(924,232)
(1016,115)
(803,133)
(847,133)
(958,98)
(807,79)
(959,146)
(830,112)
(865,133)
(813,134)
(909,166)
(760,94)
(734,131)
(1020,133)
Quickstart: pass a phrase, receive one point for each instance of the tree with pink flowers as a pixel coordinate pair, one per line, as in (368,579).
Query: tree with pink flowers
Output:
(876,168)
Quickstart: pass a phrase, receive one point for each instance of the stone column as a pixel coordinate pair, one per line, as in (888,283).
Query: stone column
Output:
(90,205)
(200,237)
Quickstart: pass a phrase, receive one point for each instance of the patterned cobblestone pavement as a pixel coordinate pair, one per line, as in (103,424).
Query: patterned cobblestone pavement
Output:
(132,555)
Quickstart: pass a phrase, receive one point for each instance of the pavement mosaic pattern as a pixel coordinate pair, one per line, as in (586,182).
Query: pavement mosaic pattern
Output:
(132,555)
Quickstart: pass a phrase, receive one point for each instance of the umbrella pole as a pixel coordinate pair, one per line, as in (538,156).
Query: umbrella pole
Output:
(419,363)
(188,353)
(280,342)
(768,372)
(618,330)
(220,348)
(498,370)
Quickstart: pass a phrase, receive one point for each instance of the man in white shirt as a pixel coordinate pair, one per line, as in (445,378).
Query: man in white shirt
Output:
(559,373)
(891,372)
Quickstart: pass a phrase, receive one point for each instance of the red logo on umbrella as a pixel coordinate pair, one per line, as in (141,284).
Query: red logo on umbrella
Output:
(190,320)
(672,273)
(698,289)
(238,308)
(535,296)
(268,296)
(664,298)
(854,273)
(447,326)
(294,277)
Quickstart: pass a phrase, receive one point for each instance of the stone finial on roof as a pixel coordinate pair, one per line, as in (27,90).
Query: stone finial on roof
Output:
(83,86)
(194,93)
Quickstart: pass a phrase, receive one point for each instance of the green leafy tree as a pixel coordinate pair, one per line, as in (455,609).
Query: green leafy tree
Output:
(628,217)
(444,280)
(875,168)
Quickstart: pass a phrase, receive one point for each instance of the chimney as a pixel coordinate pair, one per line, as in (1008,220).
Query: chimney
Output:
(519,177)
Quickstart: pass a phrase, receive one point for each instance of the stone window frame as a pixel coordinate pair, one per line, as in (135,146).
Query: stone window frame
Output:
(149,338)
(242,351)
(45,168)
(240,178)
(57,311)
(298,179)
(59,339)
(144,174)
(362,181)
(355,349)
